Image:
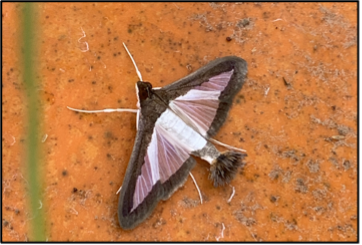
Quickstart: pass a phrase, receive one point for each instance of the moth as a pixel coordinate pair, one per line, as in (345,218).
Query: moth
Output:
(175,123)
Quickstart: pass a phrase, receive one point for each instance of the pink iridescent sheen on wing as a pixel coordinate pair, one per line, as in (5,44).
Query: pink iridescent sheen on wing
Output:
(166,153)
(198,106)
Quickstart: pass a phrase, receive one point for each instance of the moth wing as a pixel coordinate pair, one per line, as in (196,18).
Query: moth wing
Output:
(164,157)
(156,172)
(203,98)
(200,104)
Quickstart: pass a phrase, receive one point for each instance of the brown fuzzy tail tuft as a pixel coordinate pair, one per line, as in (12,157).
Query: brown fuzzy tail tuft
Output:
(224,168)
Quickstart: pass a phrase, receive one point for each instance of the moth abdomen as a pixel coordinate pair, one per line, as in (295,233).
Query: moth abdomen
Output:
(224,168)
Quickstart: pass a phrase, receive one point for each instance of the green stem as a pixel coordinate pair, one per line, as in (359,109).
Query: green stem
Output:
(28,43)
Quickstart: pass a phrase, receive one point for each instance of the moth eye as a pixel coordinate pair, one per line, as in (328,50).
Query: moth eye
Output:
(143,94)
(149,85)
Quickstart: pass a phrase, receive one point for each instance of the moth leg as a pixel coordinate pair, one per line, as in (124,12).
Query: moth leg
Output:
(225,145)
(137,119)
(232,195)
(197,187)
(119,190)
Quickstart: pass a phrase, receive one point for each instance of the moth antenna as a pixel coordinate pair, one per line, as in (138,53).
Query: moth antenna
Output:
(104,110)
(197,187)
(225,145)
(224,168)
(134,63)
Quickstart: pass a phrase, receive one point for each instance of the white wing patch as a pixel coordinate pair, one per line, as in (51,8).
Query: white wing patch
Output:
(198,107)
(171,144)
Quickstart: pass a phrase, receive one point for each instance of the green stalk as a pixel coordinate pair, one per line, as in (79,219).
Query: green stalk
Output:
(28,43)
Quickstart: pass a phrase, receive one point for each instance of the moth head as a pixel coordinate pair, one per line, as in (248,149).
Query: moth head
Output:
(144,90)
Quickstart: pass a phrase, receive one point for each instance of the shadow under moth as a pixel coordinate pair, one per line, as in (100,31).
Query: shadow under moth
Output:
(175,123)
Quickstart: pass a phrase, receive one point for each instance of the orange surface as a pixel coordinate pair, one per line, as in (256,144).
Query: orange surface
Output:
(296,116)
